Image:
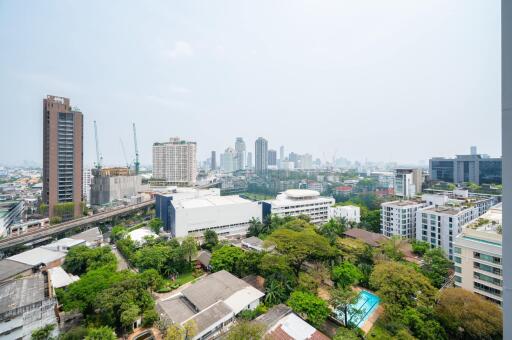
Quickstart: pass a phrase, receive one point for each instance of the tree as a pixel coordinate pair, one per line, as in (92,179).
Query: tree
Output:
(423,325)
(466,315)
(149,317)
(255,227)
(307,283)
(333,228)
(152,257)
(341,299)
(151,279)
(178,332)
(81,259)
(246,330)
(343,333)
(346,274)
(300,246)
(392,248)
(189,247)
(227,258)
(436,266)
(420,247)
(210,239)
(351,249)
(43,333)
(401,286)
(130,313)
(155,225)
(315,309)
(371,221)
(101,333)
(275,292)
(117,233)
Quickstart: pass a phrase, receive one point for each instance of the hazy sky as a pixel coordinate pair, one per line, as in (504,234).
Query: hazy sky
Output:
(382,80)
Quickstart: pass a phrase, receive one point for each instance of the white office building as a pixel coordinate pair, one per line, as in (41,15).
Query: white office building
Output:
(351,213)
(398,218)
(228,216)
(478,256)
(295,202)
(175,162)
(408,182)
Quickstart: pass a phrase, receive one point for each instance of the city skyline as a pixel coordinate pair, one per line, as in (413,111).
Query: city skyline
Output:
(390,75)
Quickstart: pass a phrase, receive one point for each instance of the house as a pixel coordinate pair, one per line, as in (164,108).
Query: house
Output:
(371,239)
(211,303)
(255,243)
(203,258)
(282,324)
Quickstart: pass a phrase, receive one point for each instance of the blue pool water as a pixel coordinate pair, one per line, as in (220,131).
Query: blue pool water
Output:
(366,304)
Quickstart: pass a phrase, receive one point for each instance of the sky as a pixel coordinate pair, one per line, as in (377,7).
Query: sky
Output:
(394,80)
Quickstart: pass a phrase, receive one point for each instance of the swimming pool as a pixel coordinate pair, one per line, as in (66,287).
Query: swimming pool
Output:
(360,311)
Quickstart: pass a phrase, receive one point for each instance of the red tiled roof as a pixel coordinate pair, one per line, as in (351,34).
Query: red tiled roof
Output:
(344,188)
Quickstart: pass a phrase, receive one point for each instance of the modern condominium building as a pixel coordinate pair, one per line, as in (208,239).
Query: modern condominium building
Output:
(408,182)
(261,154)
(272,158)
(478,256)
(62,155)
(476,168)
(240,154)
(228,161)
(175,162)
(295,202)
(398,218)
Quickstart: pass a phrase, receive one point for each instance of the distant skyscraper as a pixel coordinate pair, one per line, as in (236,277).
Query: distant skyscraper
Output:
(228,161)
(240,153)
(272,158)
(86,191)
(62,155)
(261,155)
(175,162)
(281,153)
(249,160)
(213,160)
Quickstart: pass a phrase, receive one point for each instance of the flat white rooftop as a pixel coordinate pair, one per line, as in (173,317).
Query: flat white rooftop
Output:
(209,201)
(36,256)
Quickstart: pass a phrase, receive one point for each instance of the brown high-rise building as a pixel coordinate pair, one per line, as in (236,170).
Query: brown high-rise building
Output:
(62,156)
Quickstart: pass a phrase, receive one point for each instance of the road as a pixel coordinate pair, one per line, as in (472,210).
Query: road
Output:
(121,262)
(59,228)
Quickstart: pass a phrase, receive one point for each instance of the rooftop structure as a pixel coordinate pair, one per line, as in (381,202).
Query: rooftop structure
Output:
(59,278)
(212,303)
(64,244)
(372,239)
(92,237)
(40,256)
(255,243)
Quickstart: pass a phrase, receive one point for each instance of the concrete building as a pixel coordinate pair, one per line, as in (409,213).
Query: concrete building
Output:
(86,187)
(239,154)
(249,160)
(175,162)
(398,218)
(10,270)
(27,304)
(11,212)
(261,152)
(114,184)
(62,155)
(229,216)
(476,168)
(295,202)
(272,158)
(385,179)
(351,213)
(211,303)
(257,244)
(478,256)
(408,182)
(228,161)
(281,153)
(213,161)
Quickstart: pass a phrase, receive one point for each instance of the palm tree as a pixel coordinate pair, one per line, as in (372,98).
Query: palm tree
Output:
(275,292)
(341,299)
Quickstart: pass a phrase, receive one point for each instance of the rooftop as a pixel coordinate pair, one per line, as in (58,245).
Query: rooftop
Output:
(372,239)
(204,257)
(446,210)
(63,243)
(211,315)
(91,235)
(9,269)
(402,203)
(210,201)
(23,292)
(59,278)
(301,193)
(37,256)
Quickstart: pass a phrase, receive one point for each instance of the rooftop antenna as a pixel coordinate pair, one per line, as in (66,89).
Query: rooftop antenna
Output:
(98,156)
(136,163)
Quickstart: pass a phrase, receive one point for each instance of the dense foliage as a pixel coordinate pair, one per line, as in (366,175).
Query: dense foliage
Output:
(81,259)
(310,306)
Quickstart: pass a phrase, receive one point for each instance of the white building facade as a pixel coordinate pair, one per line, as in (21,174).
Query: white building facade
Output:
(398,218)
(351,213)
(478,256)
(175,162)
(295,202)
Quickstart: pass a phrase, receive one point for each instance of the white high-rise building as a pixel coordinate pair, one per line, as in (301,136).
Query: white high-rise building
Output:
(228,160)
(86,185)
(398,218)
(240,153)
(261,152)
(175,162)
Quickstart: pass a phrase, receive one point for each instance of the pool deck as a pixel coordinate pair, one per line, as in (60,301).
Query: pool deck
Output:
(368,324)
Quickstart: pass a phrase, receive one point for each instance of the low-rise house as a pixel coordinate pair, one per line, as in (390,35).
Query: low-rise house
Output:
(211,303)
(371,239)
(203,258)
(25,305)
(255,243)
(282,324)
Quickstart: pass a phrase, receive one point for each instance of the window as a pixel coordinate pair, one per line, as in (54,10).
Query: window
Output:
(458,279)
(487,289)
(486,278)
(458,269)
(456,250)
(457,259)
(487,258)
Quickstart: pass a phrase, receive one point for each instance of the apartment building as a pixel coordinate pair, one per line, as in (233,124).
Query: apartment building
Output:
(398,218)
(408,182)
(295,202)
(478,256)
(175,162)
(351,213)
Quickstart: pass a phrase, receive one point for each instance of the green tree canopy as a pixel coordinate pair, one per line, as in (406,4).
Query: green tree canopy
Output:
(346,274)
(436,266)
(246,330)
(101,333)
(466,315)
(155,225)
(334,228)
(210,239)
(227,258)
(309,305)
(80,259)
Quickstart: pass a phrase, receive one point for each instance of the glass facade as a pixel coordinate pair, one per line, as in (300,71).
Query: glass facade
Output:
(490,172)
(443,170)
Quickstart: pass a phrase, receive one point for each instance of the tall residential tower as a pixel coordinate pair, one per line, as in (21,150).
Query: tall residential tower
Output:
(261,155)
(62,155)
(175,162)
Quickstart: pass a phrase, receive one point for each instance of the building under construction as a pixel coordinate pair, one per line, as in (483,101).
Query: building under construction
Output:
(114,184)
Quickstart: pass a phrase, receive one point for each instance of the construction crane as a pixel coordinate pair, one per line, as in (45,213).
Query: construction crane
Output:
(136,163)
(124,153)
(98,156)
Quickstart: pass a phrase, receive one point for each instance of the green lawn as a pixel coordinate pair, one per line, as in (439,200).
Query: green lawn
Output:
(257,197)
(378,333)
